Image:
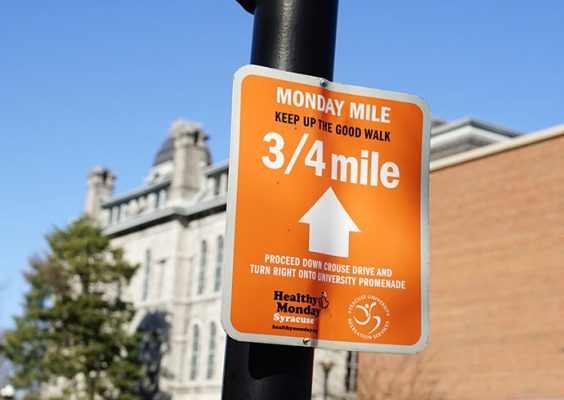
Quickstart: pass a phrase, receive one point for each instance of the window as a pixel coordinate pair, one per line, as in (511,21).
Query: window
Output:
(350,378)
(162,198)
(218,264)
(146,274)
(211,351)
(158,199)
(203,263)
(195,352)
(159,279)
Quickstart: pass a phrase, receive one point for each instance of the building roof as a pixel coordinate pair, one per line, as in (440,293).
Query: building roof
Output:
(448,138)
(499,147)
(441,127)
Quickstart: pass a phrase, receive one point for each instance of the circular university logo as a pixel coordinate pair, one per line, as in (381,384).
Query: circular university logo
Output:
(368,317)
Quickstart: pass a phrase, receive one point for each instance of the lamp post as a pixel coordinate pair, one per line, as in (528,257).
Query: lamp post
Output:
(327,366)
(7,392)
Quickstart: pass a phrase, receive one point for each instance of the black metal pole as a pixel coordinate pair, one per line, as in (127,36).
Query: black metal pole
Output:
(297,36)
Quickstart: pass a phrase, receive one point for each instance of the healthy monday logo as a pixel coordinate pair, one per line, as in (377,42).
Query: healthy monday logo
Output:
(369,317)
(298,307)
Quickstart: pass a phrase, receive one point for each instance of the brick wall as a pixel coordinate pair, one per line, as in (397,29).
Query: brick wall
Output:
(497,281)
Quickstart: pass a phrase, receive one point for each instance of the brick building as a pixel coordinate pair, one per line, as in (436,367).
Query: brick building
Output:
(497,280)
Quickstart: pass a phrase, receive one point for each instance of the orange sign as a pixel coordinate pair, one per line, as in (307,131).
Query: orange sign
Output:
(327,229)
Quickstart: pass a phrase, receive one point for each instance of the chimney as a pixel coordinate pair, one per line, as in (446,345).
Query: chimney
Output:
(190,155)
(100,188)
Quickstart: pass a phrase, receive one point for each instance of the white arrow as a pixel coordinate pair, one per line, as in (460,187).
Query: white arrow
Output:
(329,226)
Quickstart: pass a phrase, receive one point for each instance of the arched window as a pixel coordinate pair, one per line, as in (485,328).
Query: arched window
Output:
(195,352)
(211,351)
(203,263)
(218,264)
(146,274)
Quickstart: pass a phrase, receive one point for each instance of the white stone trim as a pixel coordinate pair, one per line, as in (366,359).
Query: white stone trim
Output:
(466,131)
(499,147)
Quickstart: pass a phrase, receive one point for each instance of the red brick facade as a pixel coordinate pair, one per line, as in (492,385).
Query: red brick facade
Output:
(497,280)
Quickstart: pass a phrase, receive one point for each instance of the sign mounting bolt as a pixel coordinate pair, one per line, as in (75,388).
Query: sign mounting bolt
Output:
(307,341)
(323,83)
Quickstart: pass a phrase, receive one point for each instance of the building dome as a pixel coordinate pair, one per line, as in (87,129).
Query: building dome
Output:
(181,128)
(166,152)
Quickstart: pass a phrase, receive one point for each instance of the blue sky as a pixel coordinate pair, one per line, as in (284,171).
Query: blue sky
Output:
(99,83)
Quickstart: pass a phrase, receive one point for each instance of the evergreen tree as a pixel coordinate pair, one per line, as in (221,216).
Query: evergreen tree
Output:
(74,321)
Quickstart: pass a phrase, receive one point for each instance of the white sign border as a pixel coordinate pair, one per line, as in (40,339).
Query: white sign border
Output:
(238,78)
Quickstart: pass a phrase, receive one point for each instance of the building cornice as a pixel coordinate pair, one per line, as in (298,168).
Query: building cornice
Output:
(215,168)
(169,213)
(496,148)
(135,194)
(476,123)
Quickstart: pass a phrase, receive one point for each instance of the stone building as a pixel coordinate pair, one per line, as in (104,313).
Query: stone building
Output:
(497,280)
(173,226)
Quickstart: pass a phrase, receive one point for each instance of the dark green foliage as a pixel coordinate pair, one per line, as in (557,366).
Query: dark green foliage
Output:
(74,322)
